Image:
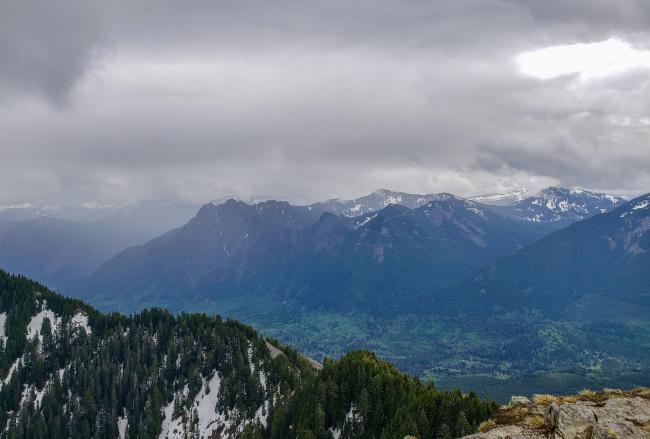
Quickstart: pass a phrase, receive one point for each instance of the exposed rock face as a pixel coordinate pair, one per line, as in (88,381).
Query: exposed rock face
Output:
(518,400)
(609,414)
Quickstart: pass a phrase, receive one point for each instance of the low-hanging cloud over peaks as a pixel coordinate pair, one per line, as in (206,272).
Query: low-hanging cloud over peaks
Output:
(105,101)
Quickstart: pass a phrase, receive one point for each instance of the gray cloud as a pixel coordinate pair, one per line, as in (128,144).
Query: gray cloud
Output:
(107,101)
(47,46)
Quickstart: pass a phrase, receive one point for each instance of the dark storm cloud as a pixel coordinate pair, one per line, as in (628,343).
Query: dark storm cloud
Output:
(113,100)
(46,46)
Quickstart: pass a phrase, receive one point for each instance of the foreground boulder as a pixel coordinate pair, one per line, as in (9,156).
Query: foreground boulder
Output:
(608,414)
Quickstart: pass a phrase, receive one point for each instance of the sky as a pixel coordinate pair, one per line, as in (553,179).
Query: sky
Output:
(106,102)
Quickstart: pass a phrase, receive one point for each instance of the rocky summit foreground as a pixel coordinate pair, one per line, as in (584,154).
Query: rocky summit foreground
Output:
(608,414)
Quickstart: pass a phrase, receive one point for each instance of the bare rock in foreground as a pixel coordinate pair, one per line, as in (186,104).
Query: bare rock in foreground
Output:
(609,414)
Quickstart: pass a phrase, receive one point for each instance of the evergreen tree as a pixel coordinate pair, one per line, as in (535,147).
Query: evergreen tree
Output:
(443,432)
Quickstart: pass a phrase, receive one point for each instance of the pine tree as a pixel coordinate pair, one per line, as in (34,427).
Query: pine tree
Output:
(462,425)
(443,432)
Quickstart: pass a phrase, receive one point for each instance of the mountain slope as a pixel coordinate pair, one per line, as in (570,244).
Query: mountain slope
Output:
(68,371)
(606,256)
(176,261)
(578,299)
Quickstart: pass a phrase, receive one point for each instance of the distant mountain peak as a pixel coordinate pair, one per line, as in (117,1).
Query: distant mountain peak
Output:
(563,206)
(579,192)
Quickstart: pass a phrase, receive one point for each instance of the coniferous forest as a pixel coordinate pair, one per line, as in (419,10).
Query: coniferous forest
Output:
(70,371)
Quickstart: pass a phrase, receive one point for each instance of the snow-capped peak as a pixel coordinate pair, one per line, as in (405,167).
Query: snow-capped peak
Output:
(561,205)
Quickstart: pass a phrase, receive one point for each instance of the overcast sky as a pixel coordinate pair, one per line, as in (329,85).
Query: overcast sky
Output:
(125,99)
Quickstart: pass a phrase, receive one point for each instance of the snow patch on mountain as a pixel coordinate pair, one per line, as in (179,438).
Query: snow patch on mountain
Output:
(205,403)
(38,394)
(364,221)
(12,369)
(122,424)
(36,323)
(350,418)
(3,335)
(80,320)
(376,201)
(203,416)
(559,205)
(171,428)
(502,199)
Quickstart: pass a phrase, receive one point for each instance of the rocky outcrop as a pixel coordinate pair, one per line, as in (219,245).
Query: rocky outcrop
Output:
(610,414)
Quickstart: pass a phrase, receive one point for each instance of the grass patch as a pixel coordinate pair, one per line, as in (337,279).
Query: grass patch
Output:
(486,426)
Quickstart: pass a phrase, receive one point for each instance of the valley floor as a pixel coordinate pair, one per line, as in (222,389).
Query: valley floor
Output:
(496,359)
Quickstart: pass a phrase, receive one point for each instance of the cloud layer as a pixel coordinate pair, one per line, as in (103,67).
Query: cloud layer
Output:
(108,101)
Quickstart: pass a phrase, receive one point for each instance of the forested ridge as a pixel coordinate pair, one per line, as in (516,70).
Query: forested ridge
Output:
(70,371)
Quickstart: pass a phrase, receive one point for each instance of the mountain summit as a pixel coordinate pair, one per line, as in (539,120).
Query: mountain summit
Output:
(560,207)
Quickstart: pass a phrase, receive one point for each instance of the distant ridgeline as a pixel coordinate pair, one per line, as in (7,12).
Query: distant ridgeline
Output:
(69,371)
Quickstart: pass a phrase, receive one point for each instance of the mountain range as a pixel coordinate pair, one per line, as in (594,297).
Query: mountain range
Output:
(275,250)
(444,287)
(310,254)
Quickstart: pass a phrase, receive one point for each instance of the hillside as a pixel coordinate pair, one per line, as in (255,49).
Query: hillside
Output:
(570,309)
(69,371)
(590,269)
